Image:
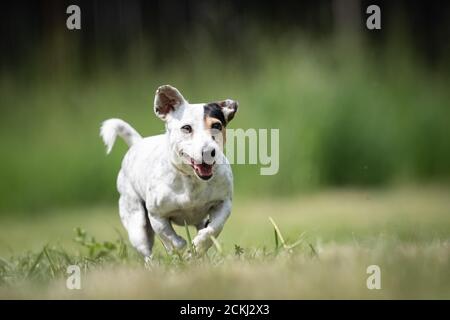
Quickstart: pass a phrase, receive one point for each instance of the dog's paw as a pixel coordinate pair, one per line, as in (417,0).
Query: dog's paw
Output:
(202,241)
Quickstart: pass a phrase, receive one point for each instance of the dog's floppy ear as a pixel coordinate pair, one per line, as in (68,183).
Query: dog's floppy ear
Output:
(167,99)
(229,108)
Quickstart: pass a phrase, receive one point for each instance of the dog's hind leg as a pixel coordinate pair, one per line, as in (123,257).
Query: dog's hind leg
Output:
(135,220)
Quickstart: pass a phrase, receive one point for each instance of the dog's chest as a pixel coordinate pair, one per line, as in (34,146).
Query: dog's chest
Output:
(184,199)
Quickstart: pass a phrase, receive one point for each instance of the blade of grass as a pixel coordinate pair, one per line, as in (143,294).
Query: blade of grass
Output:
(123,250)
(36,262)
(278,232)
(52,265)
(188,235)
(165,249)
(276,239)
(178,254)
(217,245)
(313,251)
(299,241)
(5,262)
(65,257)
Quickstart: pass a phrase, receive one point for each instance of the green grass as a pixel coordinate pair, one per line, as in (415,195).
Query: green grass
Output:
(312,246)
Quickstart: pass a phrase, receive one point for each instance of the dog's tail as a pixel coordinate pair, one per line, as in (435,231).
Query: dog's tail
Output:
(112,128)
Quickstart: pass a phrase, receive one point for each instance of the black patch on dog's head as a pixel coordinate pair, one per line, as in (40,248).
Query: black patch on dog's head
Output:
(213,110)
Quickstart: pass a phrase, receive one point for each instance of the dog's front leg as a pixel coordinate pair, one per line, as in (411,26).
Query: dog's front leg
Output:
(218,216)
(163,228)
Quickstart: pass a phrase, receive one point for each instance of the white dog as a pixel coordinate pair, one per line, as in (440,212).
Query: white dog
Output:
(178,177)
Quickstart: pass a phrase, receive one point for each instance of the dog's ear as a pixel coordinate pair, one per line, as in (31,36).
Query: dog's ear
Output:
(229,108)
(167,100)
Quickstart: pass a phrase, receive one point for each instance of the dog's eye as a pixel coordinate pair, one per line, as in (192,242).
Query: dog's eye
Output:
(186,128)
(217,126)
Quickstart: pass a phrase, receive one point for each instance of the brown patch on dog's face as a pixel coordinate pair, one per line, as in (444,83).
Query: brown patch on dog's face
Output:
(214,125)
(215,121)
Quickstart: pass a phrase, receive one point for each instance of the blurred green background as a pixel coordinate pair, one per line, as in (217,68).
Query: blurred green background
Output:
(355,107)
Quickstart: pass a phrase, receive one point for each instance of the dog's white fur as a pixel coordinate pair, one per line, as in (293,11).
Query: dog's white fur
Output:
(157,183)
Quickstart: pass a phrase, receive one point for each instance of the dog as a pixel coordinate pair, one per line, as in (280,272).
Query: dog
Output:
(180,177)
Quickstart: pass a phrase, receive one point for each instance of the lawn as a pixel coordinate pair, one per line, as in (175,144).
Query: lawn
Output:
(331,237)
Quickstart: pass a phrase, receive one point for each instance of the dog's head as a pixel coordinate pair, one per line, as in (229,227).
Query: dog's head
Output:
(196,131)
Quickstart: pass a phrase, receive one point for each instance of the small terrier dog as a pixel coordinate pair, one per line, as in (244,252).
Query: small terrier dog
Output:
(180,177)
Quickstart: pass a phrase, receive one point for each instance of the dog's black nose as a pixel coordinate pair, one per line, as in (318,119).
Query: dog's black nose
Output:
(209,155)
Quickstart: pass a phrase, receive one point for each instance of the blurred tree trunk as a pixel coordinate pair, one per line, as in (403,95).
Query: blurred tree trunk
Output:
(53,15)
(347,18)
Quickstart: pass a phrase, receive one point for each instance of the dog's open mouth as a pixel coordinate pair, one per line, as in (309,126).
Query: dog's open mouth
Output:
(203,170)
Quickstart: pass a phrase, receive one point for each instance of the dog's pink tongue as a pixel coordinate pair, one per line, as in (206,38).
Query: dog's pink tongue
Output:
(204,169)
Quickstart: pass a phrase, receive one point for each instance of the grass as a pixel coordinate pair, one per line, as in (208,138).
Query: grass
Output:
(322,246)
